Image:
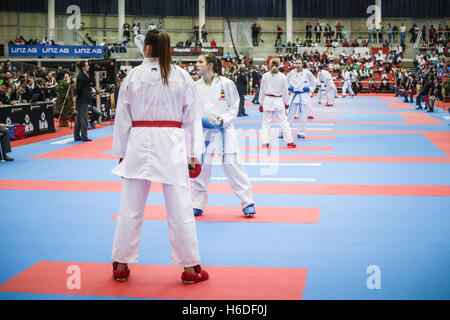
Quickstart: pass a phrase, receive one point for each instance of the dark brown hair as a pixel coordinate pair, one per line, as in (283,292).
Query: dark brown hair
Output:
(160,43)
(216,62)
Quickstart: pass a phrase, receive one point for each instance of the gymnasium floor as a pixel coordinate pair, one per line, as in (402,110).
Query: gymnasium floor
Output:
(367,190)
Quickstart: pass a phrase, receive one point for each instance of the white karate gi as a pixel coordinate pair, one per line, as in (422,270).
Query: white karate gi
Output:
(220,99)
(274,107)
(347,83)
(322,89)
(152,154)
(328,86)
(299,80)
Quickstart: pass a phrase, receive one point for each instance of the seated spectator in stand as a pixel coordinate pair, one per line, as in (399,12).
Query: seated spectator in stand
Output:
(335,44)
(355,43)
(213,43)
(5,143)
(198,43)
(4,97)
(188,43)
(345,43)
(39,93)
(385,43)
(18,96)
(372,85)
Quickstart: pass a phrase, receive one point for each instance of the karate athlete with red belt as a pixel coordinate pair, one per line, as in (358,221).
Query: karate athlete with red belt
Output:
(219,101)
(274,99)
(157,127)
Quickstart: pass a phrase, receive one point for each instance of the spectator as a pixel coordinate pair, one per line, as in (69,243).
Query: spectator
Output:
(196,33)
(402,33)
(136,29)
(259,34)
(204,33)
(338,28)
(424,32)
(213,43)
(126,31)
(160,25)
(328,32)
(380,31)
(279,31)
(152,26)
(318,30)
(414,31)
(4,95)
(39,93)
(395,33)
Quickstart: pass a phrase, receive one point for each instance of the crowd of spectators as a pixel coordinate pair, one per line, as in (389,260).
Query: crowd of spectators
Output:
(35,85)
(19,40)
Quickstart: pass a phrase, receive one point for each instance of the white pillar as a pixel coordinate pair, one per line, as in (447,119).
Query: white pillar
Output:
(201,14)
(121,16)
(51,20)
(288,21)
(378,12)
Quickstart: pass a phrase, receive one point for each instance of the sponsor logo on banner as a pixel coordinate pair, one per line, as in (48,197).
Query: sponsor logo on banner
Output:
(56,51)
(43,124)
(195,51)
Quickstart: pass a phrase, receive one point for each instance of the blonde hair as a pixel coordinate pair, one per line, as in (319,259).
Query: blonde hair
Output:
(274,63)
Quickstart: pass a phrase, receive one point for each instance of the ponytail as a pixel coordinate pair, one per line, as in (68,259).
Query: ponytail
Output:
(274,63)
(160,43)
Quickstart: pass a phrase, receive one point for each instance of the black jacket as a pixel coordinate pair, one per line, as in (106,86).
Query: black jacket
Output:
(83,90)
(241,83)
(38,94)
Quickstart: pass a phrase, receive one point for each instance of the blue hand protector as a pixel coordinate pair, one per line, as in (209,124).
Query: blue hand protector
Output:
(291,89)
(207,124)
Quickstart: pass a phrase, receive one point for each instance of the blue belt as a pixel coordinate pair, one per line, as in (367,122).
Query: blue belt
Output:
(296,93)
(207,125)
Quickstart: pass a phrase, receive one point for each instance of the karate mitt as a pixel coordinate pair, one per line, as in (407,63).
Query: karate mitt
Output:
(286,106)
(194,169)
(120,160)
(291,89)
(261,109)
(306,89)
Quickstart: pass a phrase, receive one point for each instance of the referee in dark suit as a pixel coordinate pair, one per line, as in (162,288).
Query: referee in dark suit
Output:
(83,93)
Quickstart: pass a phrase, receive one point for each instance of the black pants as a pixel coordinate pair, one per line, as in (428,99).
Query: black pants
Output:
(4,140)
(81,122)
(241,103)
(256,98)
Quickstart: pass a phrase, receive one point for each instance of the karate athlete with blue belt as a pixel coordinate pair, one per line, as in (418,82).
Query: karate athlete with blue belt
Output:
(219,101)
(301,83)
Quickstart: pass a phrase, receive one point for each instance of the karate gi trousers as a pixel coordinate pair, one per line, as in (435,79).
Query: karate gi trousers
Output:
(182,229)
(268,117)
(347,86)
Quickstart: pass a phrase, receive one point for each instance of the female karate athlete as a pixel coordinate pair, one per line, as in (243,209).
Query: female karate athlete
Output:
(274,98)
(219,101)
(156,118)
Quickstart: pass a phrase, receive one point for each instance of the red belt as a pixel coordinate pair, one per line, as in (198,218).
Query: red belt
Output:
(272,95)
(159,124)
